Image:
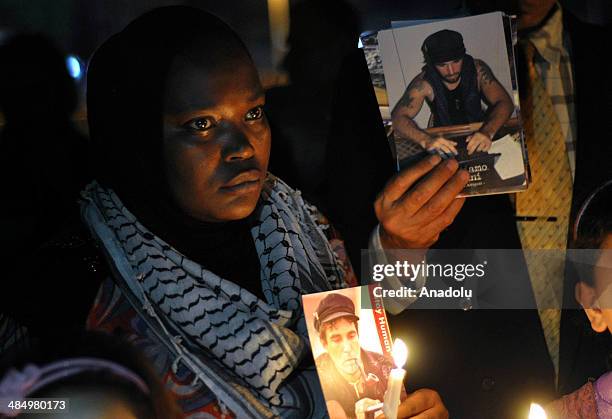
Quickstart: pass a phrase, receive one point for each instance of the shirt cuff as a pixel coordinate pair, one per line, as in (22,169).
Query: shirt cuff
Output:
(379,257)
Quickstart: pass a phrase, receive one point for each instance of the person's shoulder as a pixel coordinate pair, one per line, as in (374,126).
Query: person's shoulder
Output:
(74,257)
(483,71)
(73,243)
(54,294)
(420,76)
(480,64)
(420,84)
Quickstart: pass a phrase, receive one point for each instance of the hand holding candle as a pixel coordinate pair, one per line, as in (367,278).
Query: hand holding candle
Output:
(396,380)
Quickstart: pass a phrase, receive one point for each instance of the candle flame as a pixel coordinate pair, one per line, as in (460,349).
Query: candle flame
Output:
(400,353)
(537,412)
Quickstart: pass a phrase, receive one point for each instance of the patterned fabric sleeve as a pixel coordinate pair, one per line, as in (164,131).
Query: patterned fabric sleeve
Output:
(113,314)
(577,405)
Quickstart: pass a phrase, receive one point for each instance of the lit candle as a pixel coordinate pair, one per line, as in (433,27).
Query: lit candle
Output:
(396,380)
(537,412)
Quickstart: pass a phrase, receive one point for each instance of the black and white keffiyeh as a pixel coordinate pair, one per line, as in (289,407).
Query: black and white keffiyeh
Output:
(228,337)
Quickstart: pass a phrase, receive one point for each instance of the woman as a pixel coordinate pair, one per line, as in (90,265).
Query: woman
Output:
(189,221)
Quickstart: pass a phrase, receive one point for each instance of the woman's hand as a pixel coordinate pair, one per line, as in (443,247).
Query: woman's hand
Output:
(418,203)
(422,404)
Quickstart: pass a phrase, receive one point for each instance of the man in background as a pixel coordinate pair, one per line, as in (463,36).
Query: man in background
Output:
(560,50)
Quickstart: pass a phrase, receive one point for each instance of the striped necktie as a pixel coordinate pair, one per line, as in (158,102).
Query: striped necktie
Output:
(549,195)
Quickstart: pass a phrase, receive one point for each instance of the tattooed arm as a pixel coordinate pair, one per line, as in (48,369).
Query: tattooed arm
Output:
(499,101)
(407,108)
(500,108)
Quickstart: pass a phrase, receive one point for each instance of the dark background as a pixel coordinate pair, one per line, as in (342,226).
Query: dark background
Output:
(79,26)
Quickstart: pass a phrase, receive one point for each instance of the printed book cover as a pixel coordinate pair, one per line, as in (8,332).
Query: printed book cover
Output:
(450,87)
(352,348)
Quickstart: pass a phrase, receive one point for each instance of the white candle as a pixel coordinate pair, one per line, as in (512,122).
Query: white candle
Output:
(396,380)
(537,412)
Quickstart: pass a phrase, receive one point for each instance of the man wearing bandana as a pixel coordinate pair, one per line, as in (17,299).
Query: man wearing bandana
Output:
(454,84)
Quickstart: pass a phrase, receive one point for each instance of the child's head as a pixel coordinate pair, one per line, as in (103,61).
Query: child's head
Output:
(103,376)
(593,236)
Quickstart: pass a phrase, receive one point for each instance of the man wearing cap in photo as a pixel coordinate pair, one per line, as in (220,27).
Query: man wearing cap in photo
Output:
(453,84)
(351,377)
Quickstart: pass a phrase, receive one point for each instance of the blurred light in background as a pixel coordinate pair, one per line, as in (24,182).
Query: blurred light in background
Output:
(74,66)
(278,16)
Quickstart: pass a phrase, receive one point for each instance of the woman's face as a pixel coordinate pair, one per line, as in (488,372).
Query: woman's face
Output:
(216,136)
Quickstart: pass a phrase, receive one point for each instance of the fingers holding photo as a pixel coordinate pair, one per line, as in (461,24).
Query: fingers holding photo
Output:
(432,196)
(397,186)
(419,203)
(423,404)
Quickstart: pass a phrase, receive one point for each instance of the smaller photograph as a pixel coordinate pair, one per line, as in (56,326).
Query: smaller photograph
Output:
(451,90)
(352,348)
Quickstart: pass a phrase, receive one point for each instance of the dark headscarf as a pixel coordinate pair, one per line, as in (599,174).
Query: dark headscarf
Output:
(125,97)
